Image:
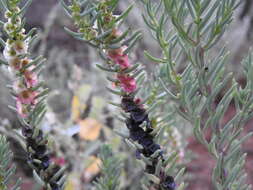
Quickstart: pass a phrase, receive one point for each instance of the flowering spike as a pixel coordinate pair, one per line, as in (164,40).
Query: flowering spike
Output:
(29,95)
(114,45)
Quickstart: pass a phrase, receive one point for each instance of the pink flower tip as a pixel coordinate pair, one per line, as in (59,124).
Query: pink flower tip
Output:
(58,160)
(27,96)
(31,79)
(21,109)
(119,58)
(127,83)
(123,61)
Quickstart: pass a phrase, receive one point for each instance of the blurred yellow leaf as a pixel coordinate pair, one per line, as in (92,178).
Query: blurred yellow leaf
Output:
(72,182)
(69,185)
(89,129)
(77,108)
(75,112)
(79,101)
(93,168)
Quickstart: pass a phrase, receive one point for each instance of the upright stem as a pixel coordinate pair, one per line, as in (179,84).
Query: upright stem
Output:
(30,95)
(114,49)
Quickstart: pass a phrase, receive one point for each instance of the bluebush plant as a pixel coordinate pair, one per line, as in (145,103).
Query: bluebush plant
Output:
(29,93)
(187,31)
(111,170)
(100,28)
(188,82)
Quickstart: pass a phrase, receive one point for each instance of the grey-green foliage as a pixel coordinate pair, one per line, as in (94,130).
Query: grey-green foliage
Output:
(187,31)
(46,172)
(110,170)
(94,28)
(6,169)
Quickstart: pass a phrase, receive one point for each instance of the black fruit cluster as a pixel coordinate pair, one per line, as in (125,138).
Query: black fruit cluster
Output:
(168,183)
(39,157)
(138,116)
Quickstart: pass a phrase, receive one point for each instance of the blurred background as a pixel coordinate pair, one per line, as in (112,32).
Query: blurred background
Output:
(80,119)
